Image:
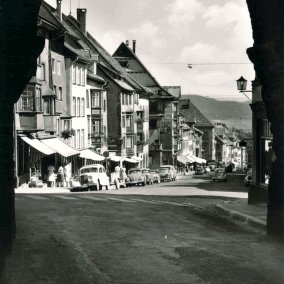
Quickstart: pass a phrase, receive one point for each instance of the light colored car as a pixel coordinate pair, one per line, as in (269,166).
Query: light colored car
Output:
(156,176)
(94,177)
(149,176)
(165,174)
(135,177)
(219,174)
(172,171)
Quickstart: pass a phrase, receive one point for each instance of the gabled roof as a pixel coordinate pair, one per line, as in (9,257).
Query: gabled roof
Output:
(193,114)
(124,51)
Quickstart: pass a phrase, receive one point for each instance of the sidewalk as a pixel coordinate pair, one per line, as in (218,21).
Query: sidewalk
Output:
(252,215)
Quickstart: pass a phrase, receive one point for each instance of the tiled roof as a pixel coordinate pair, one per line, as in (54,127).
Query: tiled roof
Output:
(142,76)
(193,114)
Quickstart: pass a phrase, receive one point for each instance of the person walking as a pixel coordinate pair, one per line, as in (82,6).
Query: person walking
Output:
(60,176)
(51,176)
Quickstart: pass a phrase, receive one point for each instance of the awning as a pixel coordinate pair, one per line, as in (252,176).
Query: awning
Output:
(90,155)
(115,158)
(183,159)
(197,159)
(60,147)
(138,159)
(130,160)
(36,144)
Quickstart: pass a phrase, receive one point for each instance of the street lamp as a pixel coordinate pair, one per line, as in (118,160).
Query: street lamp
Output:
(242,85)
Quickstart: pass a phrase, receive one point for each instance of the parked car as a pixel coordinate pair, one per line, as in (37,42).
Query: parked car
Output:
(165,174)
(248,177)
(156,176)
(94,177)
(172,171)
(135,177)
(199,171)
(149,176)
(219,174)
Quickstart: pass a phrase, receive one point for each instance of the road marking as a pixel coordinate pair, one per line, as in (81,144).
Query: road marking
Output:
(92,198)
(36,197)
(145,201)
(121,200)
(63,197)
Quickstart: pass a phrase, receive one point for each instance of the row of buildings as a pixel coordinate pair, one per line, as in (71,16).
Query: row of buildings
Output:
(85,105)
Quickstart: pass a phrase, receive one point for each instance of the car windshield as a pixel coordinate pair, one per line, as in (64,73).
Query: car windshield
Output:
(164,170)
(145,171)
(220,171)
(93,170)
(134,171)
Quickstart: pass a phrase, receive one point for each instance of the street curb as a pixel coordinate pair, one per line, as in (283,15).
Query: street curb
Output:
(241,217)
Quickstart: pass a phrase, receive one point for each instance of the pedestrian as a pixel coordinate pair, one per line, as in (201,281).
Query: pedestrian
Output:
(51,176)
(60,176)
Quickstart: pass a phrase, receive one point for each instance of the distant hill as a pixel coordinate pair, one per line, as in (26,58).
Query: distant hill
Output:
(234,114)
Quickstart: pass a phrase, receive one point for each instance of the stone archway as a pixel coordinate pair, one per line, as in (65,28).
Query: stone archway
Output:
(19,48)
(267,55)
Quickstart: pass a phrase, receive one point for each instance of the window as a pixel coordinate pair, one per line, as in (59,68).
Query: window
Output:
(130,99)
(96,98)
(78,138)
(66,124)
(129,142)
(128,121)
(41,72)
(59,96)
(55,90)
(82,139)
(78,75)
(27,99)
(57,126)
(82,111)
(38,99)
(74,106)
(48,106)
(96,126)
(87,98)
(89,126)
(73,74)
(123,142)
(122,99)
(58,65)
(82,76)
(104,105)
(78,107)
(123,121)
(53,65)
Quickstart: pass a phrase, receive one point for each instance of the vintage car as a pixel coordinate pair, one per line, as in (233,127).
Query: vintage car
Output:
(149,176)
(199,171)
(156,176)
(219,174)
(135,177)
(94,177)
(165,174)
(172,171)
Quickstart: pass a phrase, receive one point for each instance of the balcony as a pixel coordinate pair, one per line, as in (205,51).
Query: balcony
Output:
(130,151)
(129,129)
(29,121)
(49,123)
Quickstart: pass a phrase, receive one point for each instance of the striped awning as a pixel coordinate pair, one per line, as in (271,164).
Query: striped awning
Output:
(60,147)
(38,145)
(90,155)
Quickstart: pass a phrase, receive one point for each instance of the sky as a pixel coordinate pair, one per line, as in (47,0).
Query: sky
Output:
(171,34)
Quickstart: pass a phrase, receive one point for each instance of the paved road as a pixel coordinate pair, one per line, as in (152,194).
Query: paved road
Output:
(107,238)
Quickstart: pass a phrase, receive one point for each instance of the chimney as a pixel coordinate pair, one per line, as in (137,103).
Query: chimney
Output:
(127,42)
(58,10)
(81,18)
(134,46)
